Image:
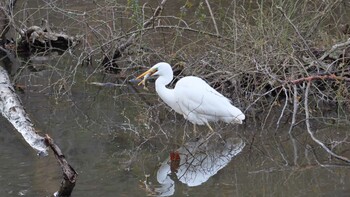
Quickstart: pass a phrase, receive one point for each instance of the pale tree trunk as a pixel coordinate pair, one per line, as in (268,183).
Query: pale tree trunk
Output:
(11,108)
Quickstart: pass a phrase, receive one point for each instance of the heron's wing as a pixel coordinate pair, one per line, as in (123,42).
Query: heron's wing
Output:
(196,97)
(201,101)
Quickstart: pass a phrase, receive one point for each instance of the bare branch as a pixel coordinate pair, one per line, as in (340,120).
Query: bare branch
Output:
(69,174)
(212,17)
(334,48)
(319,77)
(146,24)
(307,117)
(298,33)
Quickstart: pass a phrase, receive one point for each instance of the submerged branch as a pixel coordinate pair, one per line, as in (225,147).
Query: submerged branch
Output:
(69,174)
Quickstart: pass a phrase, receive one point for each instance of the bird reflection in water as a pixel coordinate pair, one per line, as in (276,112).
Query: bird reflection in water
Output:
(195,162)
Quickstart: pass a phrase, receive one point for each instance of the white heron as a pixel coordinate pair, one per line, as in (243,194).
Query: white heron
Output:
(193,98)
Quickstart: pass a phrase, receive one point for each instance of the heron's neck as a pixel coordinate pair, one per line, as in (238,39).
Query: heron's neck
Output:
(166,94)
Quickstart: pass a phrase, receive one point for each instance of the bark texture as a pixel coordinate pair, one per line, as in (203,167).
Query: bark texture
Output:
(11,108)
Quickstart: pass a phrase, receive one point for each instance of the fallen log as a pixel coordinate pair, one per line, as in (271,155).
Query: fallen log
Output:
(33,39)
(11,108)
(36,38)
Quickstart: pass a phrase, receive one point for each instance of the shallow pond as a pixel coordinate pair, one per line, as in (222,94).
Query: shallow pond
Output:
(108,138)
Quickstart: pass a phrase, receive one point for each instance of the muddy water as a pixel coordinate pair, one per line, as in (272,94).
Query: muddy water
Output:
(122,146)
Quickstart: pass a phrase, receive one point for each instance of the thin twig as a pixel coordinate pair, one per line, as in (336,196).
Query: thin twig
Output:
(156,13)
(284,107)
(322,14)
(307,117)
(212,17)
(334,47)
(321,77)
(298,33)
(295,110)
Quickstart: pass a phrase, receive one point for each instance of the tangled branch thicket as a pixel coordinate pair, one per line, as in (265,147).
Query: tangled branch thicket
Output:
(254,53)
(261,54)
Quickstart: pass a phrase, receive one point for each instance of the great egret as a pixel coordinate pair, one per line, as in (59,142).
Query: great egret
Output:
(193,98)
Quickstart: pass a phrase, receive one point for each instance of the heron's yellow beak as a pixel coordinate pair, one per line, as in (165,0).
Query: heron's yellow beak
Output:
(145,75)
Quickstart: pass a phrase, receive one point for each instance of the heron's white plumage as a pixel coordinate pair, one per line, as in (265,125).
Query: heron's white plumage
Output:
(194,98)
